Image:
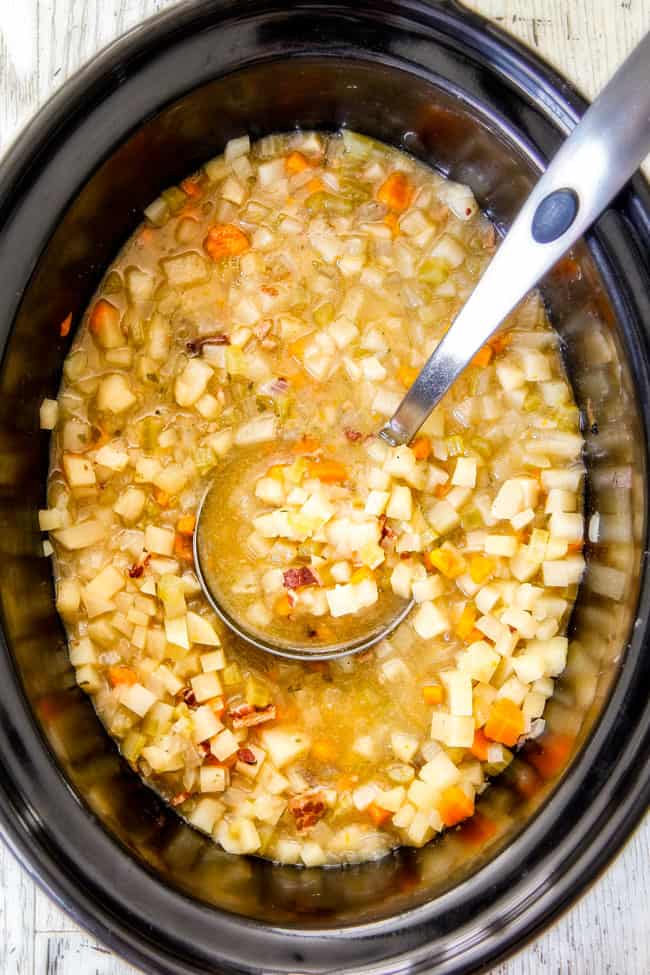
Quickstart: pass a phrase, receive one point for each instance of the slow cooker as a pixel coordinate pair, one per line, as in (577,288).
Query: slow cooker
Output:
(450,88)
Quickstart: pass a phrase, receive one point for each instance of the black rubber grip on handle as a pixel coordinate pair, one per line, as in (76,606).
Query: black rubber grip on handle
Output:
(554,215)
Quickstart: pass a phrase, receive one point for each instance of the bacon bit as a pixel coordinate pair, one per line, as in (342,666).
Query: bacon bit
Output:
(203,748)
(353,435)
(225,240)
(268,289)
(246,756)
(179,799)
(194,346)
(299,578)
(247,715)
(307,809)
(386,531)
(138,568)
(65,326)
(189,697)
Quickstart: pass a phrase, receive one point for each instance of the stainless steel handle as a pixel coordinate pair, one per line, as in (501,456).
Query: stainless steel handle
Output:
(597,159)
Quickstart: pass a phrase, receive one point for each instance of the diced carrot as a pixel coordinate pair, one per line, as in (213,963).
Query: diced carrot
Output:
(65,326)
(480,745)
(465,624)
(315,185)
(225,240)
(447,562)
(103,314)
(455,805)
(363,572)
(575,546)
(295,162)
(433,693)
(191,187)
(442,490)
(161,497)
(328,471)
(297,348)
(377,814)
(282,605)
(480,567)
(396,192)
(145,236)
(477,830)
(421,447)
(407,375)
(500,342)
(346,781)
(483,357)
(306,445)
(550,754)
(183,547)
(475,635)
(505,723)
(324,750)
(122,675)
(186,524)
(276,472)
(392,222)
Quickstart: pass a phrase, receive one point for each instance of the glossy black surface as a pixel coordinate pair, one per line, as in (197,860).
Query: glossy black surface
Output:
(441,83)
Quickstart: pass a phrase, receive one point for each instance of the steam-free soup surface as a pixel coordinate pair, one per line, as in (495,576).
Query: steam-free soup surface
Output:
(276,306)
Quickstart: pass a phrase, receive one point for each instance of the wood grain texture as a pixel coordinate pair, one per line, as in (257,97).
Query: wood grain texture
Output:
(42,42)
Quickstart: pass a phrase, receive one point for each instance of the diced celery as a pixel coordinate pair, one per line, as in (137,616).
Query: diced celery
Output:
(358,145)
(455,445)
(324,314)
(132,746)
(157,212)
(257,693)
(482,446)
(150,429)
(205,459)
(434,270)
(327,202)
(113,283)
(174,198)
(231,675)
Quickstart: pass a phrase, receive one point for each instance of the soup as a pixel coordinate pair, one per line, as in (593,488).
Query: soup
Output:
(265,320)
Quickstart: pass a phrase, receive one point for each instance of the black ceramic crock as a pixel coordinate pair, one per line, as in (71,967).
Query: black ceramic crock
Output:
(450,88)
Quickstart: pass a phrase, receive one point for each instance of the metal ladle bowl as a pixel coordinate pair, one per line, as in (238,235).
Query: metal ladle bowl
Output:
(593,164)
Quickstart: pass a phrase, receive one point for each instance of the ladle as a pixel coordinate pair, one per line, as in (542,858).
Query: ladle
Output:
(592,165)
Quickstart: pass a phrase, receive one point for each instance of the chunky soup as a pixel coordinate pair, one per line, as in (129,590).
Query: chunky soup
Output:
(258,328)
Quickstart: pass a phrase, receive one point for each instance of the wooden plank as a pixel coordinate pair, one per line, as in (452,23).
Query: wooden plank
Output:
(16,917)
(75,954)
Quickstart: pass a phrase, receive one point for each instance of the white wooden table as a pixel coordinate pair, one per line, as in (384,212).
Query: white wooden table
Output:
(41,43)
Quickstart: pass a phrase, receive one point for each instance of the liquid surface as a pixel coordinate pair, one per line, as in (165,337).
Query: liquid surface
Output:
(290,291)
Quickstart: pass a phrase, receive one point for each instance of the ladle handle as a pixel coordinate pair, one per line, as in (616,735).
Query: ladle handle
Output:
(597,159)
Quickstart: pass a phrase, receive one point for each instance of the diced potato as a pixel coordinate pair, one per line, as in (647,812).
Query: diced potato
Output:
(138,699)
(159,541)
(284,746)
(192,382)
(201,631)
(82,535)
(48,414)
(114,394)
(404,746)
(458,691)
(206,814)
(206,686)
(79,471)
(68,598)
(443,517)
(440,772)
(430,621)
(213,779)
(130,504)
(465,472)
(479,661)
